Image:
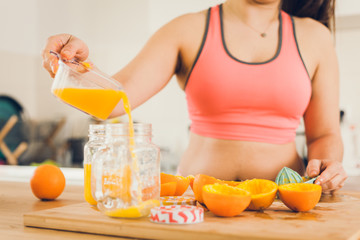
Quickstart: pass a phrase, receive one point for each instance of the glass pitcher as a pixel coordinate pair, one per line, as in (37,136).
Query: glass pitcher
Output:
(86,89)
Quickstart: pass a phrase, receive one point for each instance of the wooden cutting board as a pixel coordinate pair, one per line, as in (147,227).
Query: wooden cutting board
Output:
(336,217)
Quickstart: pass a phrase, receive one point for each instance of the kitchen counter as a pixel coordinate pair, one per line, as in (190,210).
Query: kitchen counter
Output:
(16,199)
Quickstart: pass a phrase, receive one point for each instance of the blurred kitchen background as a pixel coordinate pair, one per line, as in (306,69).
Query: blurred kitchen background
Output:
(115,30)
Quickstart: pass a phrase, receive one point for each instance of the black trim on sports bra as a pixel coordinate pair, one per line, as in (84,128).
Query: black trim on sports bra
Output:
(201,47)
(297,45)
(251,63)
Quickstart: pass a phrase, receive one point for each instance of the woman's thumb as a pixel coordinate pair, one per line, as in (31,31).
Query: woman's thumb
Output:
(75,48)
(313,168)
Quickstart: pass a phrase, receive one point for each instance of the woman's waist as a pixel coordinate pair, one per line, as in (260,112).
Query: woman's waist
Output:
(238,159)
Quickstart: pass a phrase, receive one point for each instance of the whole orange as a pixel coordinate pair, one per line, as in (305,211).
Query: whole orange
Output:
(47,182)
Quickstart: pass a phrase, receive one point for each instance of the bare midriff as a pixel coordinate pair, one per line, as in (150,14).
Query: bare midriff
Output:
(238,160)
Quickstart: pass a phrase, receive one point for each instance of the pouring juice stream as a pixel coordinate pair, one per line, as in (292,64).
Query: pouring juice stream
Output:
(88,101)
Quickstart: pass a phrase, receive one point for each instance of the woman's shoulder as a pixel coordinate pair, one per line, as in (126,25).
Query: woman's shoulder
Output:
(187,28)
(315,42)
(189,20)
(313,30)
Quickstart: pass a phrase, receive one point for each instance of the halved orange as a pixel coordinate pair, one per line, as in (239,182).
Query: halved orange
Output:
(200,181)
(263,192)
(182,183)
(168,189)
(300,197)
(224,200)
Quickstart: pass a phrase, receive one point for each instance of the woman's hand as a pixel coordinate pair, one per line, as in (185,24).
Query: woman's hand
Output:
(332,174)
(68,46)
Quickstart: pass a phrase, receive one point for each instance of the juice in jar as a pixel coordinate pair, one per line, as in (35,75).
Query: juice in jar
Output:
(87,185)
(119,184)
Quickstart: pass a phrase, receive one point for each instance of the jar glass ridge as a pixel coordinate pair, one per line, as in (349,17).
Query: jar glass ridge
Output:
(96,142)
(125,163)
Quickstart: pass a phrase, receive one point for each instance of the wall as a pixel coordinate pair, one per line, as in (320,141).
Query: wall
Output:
(115,31)
(19,27)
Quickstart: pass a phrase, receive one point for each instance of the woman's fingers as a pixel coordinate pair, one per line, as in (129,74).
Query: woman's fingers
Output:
(331,174)
(68,46)
(54,43)
(333,184)
(75,48)
(313,168)
(332,168)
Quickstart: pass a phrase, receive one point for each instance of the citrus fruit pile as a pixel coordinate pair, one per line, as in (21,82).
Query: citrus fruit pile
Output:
(230,198)
(223,198)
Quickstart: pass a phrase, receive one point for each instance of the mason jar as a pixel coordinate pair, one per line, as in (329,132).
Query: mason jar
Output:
(127,171)
(96,141)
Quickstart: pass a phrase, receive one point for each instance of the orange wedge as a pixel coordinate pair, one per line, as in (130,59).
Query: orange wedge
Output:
(263,192)
(182,183)
(168,189)
(191,179)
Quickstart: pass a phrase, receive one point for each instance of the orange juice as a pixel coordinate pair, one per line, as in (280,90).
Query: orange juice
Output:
(135,166)
(100,103)
(121,186)
(96,102)
(87,185)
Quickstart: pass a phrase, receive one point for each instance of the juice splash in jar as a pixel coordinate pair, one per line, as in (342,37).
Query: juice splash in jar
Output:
(120,183)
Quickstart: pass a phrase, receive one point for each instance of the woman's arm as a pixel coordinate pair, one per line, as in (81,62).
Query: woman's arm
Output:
(149,71)
(153,67)
(322,117)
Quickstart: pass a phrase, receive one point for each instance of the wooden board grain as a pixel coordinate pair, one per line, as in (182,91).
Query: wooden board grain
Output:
(335,217)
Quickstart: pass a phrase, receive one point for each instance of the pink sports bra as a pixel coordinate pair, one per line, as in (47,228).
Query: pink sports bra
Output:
(232,99)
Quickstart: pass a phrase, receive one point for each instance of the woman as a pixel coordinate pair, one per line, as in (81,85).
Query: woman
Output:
(249,77)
